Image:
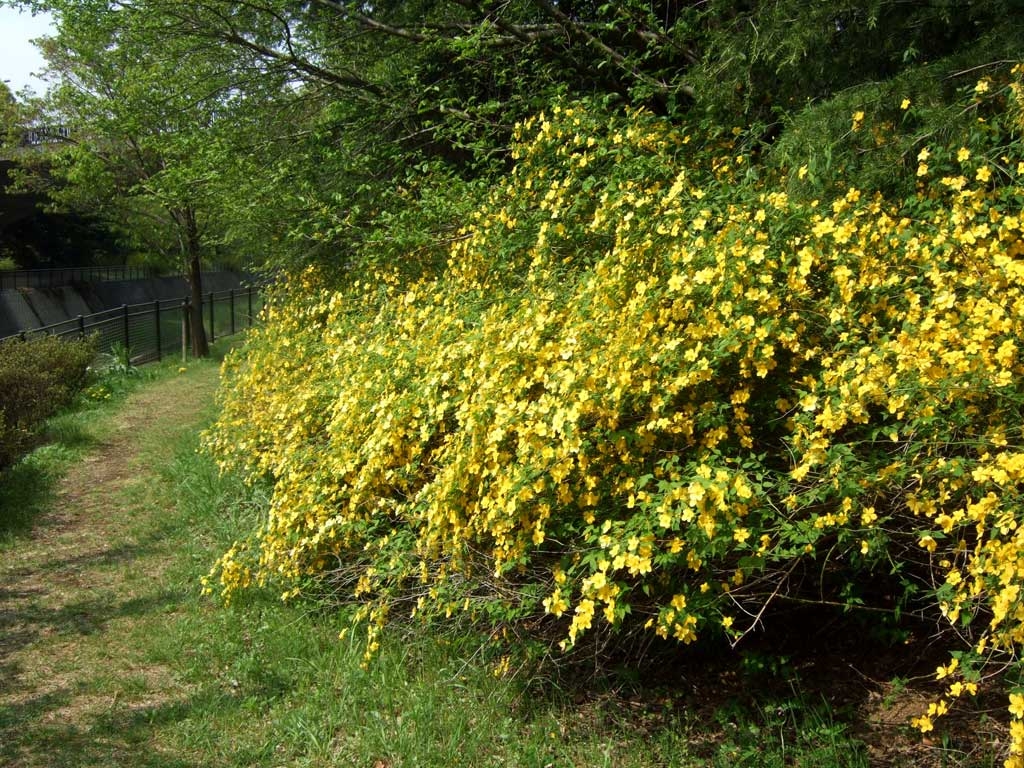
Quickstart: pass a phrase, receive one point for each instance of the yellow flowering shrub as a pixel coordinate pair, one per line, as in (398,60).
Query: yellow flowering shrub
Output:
(652,391)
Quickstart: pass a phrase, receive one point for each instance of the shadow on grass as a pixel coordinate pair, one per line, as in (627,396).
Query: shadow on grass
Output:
(26,490)
(90,720)
(98,720)
(24,620)
(152,541)
(58,608)
(28,487)
(34,735)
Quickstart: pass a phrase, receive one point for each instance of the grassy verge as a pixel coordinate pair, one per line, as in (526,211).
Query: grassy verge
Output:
(273,684)
(27,489)
(111,657)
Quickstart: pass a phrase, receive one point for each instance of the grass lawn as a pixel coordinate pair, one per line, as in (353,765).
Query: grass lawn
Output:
(109,656)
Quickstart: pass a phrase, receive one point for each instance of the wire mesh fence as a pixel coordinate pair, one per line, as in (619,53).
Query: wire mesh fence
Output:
(48,278)
(157,329)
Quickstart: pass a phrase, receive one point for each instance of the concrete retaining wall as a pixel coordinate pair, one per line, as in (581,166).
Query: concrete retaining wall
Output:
(24,309)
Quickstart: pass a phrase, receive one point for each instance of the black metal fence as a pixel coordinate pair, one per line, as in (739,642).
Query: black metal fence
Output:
(157,329)
(48,278)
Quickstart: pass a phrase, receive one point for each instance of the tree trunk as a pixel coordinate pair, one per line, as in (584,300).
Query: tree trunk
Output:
(200,347)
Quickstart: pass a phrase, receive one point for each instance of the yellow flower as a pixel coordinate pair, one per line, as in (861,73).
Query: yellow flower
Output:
(923,155)
(905,104)
(555,604)
(963,155)
(982,86)
(1017,737)
(941,672)
(922,169)
(984,174)
(1016,705)
(924,724)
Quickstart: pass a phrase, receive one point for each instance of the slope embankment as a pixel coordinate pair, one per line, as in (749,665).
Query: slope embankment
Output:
(24,309)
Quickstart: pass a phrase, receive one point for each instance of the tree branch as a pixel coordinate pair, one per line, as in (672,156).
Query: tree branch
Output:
(557,13)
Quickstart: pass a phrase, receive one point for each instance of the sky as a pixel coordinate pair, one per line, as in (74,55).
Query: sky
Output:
(18,57)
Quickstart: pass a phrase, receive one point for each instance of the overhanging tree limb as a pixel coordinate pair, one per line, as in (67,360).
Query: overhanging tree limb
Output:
(616,57)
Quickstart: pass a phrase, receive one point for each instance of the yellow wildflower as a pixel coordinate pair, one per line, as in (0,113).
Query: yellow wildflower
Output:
(1017,705)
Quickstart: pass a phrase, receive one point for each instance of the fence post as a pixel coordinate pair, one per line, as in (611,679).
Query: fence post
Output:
(213,332)
(156,312)
(184,331)
(231,296)
(81,326)
(250,306)
(124,312)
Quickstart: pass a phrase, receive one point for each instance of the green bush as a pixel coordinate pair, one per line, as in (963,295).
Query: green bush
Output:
(653,393)
(37,377)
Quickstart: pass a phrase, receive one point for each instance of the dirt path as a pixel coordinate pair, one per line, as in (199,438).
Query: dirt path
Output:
(78,592)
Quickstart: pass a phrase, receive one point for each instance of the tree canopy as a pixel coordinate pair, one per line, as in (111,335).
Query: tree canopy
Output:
(302,131)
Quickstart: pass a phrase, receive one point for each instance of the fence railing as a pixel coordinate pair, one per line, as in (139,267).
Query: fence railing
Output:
(47,278)
(156,329)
